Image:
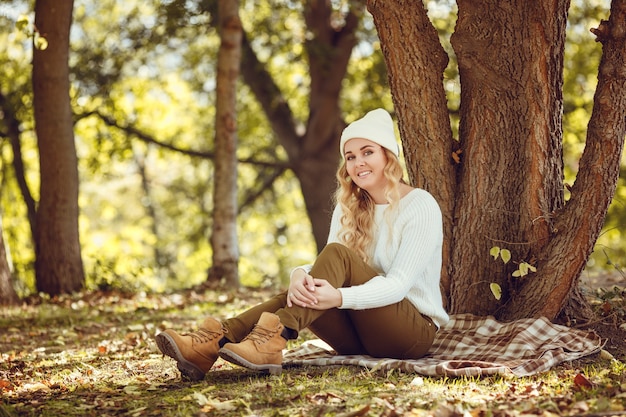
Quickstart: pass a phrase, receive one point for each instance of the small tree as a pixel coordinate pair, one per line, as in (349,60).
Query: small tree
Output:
(224,229)
(58,265)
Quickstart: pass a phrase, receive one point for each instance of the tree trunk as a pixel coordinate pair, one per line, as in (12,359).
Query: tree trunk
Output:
(314,155)
(508,190)
(224,230)
(316,163)
(426,135)
(510,59)
(8,296)
(578,225)
(58,265)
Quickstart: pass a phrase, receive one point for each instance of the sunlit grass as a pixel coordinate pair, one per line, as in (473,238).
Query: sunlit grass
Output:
(94,354)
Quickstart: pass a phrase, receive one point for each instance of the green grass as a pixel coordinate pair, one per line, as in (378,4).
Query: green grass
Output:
(94,355)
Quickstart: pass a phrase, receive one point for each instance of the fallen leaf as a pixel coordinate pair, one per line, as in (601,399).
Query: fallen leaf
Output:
(132,390)
(5,385)
(581,381)
(606,355)
(37,386)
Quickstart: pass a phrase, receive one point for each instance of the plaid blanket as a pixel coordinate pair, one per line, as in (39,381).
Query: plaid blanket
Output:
(470,346)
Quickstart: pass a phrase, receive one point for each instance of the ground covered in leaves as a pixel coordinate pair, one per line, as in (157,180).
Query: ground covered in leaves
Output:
(94,354)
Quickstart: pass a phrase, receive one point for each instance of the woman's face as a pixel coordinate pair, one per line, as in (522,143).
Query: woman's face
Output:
(365,163)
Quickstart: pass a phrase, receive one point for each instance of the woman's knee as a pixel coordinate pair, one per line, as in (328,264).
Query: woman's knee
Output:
(334,248)
(334,252)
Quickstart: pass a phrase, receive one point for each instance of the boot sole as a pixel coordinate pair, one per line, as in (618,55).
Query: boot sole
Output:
(232,357)
(168,347)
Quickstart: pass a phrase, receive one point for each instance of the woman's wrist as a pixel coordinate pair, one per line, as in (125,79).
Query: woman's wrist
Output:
(295,272)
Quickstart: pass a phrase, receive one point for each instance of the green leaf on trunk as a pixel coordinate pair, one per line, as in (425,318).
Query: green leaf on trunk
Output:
(496,290)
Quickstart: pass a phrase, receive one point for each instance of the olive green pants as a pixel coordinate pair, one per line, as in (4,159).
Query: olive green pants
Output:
(394,331)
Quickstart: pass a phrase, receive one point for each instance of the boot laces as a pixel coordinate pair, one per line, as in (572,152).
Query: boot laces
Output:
(203,335)
(260,334)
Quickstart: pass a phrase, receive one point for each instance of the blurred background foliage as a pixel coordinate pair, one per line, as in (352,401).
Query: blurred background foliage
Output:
(143,80)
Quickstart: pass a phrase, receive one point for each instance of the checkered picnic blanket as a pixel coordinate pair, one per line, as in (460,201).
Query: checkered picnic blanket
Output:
(469,345)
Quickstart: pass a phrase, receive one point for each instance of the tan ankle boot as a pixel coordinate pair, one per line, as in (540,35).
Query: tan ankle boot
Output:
(194,352)
(262,349)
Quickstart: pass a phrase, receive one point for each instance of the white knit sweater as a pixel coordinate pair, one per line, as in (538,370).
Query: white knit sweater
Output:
(407,251)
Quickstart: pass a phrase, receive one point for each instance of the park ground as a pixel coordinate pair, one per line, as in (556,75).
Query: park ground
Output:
(93,354)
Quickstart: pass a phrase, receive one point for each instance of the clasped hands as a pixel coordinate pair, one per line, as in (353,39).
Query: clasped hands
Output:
(309,292)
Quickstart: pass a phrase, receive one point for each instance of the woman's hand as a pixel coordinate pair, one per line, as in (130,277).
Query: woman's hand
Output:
(301,289)
(327,296)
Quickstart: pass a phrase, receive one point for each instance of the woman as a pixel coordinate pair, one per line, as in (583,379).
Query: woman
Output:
(374,288)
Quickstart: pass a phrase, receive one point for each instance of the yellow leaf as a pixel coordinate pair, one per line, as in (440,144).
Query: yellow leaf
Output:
(527,268)
(495,251)
(456,155)
(606,355)
(41,43)
(506,255)
(496,290)
(132,390)
(523,268)
(22,22)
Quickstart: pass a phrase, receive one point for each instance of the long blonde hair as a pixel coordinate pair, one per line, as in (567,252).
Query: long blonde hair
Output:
(359,208)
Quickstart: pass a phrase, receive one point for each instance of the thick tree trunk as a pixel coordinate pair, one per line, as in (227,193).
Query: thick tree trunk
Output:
(578,225)
(510,62)
(58,265)
(224,230)
(426,133)
(508,190)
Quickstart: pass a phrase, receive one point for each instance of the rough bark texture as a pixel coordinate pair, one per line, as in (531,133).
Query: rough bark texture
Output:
(508,190)
(224,230)
(420,103)
(510,57)
(578,225)
(58,265)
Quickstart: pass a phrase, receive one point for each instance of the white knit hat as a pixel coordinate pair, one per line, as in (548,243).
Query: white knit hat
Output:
(376,126)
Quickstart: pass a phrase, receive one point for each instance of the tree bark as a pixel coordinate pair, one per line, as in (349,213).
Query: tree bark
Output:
(510,59)
(58,264)
(224,230)
(420,103)
(578,225)
(507,189)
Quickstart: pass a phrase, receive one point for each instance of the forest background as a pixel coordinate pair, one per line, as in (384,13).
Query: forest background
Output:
(143,98)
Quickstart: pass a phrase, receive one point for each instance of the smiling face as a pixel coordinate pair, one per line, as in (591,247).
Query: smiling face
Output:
(365,163)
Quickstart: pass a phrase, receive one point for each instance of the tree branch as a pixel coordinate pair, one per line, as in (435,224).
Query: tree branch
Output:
(266,182)
(13,133)
(147,138)
(579,224)
(271,99)
(329,52)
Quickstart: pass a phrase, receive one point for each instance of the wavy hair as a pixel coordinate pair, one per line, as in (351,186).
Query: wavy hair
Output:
(358,207)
